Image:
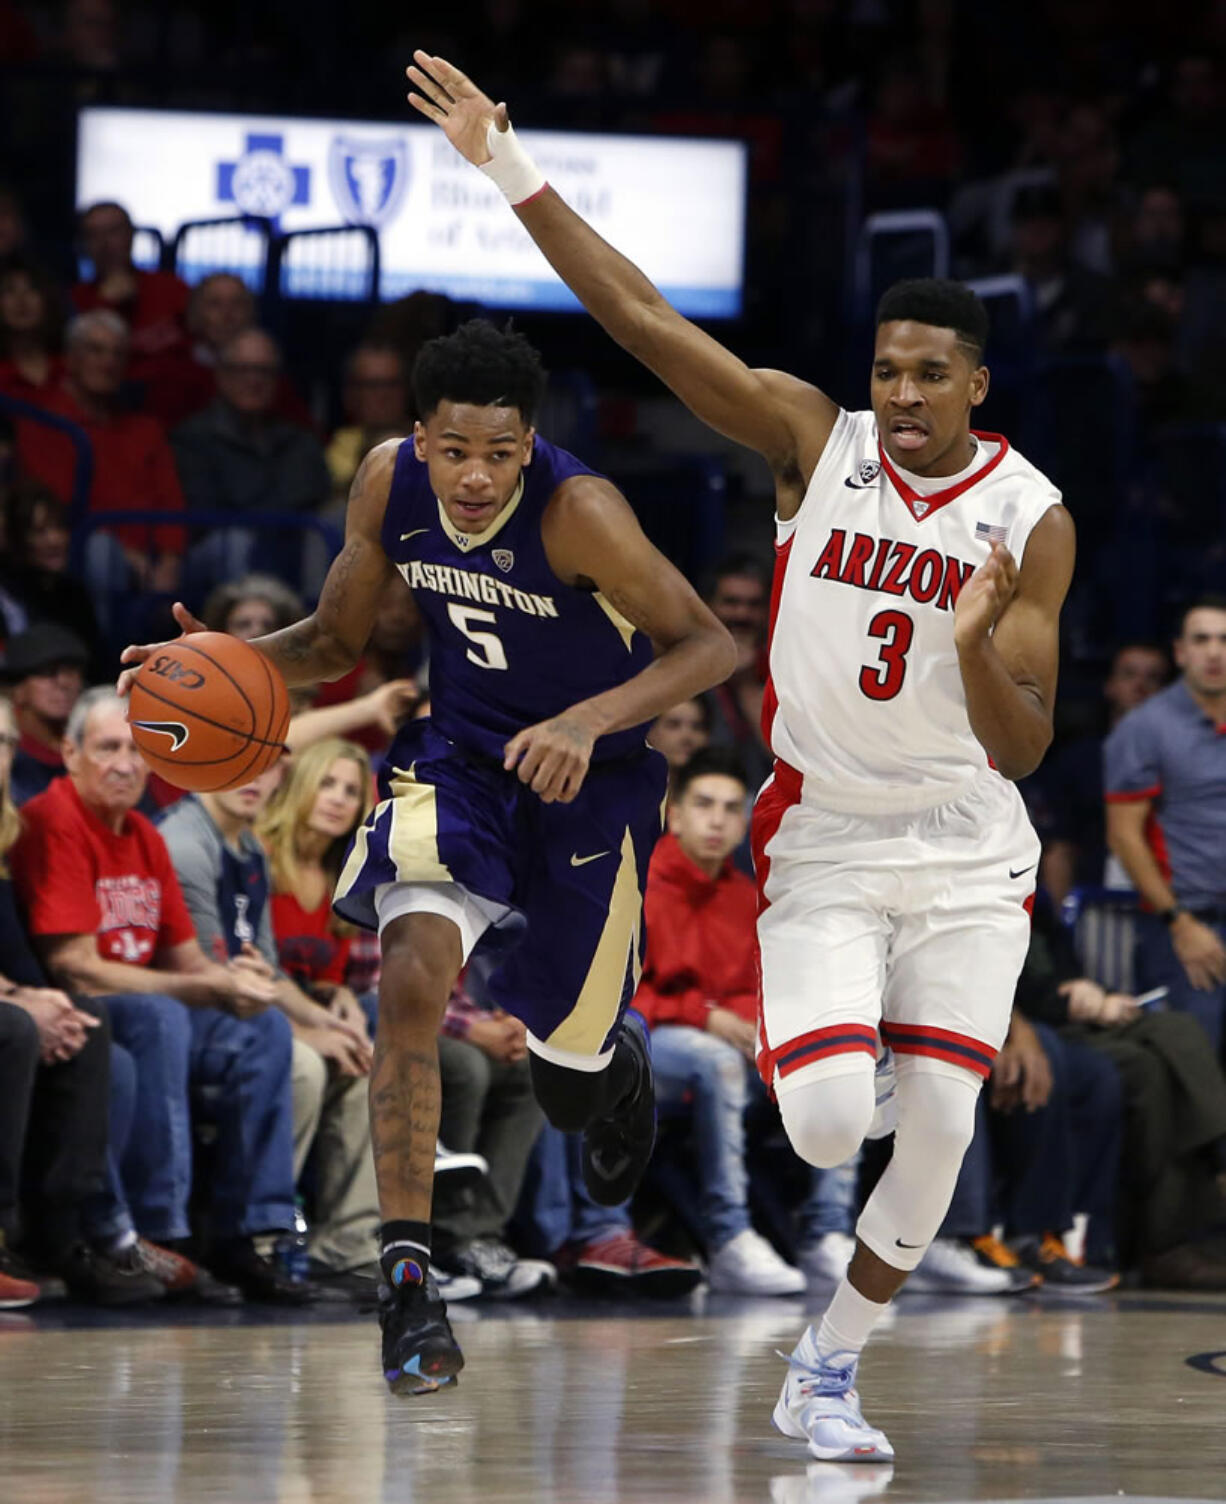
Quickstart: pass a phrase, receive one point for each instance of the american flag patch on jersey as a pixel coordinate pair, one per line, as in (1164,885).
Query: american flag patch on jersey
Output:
(991,532)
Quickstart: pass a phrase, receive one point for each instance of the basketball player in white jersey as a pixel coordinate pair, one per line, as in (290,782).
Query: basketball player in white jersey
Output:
(921,570)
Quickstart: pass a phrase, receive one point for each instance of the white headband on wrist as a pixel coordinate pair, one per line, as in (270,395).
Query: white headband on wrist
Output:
(510,168)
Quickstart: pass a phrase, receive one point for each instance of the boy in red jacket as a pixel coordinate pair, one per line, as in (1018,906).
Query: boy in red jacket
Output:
(699,995)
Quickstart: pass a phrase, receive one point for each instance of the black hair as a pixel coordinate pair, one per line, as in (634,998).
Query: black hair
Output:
(481,365)
(1210,601)
(942,303)
(705,762)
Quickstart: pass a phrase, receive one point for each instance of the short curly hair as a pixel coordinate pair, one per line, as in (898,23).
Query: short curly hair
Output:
(943,303)
(481,365)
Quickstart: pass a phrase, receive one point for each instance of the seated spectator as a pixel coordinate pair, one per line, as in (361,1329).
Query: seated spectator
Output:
(224,875)
(54,1083)
(595,1248)
(488,1107)
(1173,1190)
(31,333)
(375,393)
(394,652)
(1046,1147)
(1075,843)
(34,572)
(134,468)
(107,917)
(221,307)
(740,597)
(238,456)
(45,668)
(699,995)
(680,732)
(151,304)
(1073,305)
(252,607)
(306,831)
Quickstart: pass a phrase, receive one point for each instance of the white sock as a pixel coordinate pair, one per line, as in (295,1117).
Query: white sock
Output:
(848,1322)
(121,1240)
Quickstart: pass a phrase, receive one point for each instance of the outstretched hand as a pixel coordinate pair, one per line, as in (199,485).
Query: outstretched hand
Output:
(454,102)
(138,652)
(982,600)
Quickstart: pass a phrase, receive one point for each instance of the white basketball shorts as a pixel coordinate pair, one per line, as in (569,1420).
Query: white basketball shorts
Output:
(908,927)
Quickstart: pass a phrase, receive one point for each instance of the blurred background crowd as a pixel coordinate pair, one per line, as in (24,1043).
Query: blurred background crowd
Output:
(182,1082)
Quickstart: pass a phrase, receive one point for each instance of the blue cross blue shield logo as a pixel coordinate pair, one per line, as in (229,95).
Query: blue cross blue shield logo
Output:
(369,178)
(263,181)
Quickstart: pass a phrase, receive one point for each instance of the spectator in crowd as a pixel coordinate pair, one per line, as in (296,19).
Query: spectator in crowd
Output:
(595,1248)
(220,308)
(1165,774)
(34,570)
(153,305)
(223,872)
(1157,230)
(14,231)
(375,393)
(54,1091)
(680,732)
(252,606)
(31,332)
(1046,1147)
(107,916)
(306,831)
(699,994)
(1075,840)
(1184,143)
(488,1108)
(1073,305)
(133,464)
(239,456)
(394,653)
(740,597)
(45,668)
(1173,1189)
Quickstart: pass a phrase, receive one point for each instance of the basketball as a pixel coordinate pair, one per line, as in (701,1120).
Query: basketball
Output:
(209,712)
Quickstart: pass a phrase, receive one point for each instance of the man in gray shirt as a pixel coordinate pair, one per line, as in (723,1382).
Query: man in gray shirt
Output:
(223,872)
(1165,780)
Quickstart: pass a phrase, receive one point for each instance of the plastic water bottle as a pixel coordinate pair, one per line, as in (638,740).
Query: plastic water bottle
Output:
(292,1253)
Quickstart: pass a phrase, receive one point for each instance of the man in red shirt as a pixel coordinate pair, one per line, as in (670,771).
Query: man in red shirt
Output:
(106,914)
(699,995)
(134,466)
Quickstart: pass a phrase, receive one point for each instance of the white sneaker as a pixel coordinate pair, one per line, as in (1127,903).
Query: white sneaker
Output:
(453,1287)
(950,1267)
(449,1162)
(819,1404)
(826,1259)
(748,1265)
(529,1277)
(885,1115)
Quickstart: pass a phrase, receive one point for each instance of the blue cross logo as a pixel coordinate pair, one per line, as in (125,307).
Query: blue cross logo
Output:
(262,181)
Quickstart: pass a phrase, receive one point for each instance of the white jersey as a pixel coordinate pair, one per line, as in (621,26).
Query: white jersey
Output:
(865,698)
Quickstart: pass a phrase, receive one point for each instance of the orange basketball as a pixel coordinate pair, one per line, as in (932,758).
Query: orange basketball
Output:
(209,712)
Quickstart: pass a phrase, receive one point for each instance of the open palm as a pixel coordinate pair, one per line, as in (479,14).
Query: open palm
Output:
(454,102)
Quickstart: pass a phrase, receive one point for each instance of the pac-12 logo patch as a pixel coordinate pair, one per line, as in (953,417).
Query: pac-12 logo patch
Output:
(868,471)
(369,178)
(504,559)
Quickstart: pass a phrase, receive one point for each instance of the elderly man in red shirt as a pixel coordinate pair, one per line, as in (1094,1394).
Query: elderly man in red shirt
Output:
(699,995)
(105,912)
(134,466)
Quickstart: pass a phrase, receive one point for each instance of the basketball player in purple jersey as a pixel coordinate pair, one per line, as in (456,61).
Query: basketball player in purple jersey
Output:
(526,807)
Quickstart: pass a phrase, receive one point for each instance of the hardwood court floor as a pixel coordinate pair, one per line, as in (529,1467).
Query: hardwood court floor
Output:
(983,1400)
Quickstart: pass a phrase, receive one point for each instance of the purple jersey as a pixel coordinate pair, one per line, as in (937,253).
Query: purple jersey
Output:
(510,643)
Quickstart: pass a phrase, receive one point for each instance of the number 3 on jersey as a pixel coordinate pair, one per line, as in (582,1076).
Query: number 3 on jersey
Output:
(882,680)
(486,650)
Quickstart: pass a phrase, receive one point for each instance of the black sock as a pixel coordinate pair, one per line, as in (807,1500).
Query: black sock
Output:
(405,1252)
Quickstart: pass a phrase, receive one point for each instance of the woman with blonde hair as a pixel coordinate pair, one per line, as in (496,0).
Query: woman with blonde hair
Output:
(306,830)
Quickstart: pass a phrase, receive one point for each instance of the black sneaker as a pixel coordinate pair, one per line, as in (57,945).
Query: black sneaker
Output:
(50,1286)
(105,1279)
(360,1285)
(1049,1257)
(237,1261)
(502,1274)
(616,1149)
(420,1355)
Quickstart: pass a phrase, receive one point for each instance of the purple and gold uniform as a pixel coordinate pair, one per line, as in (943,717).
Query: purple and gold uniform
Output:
(512,645)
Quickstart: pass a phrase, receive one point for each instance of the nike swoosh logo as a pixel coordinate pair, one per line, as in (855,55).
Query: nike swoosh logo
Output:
(177,732)
(1021,871)
(404,537)
(853,485)
(582,861)
(912,1246)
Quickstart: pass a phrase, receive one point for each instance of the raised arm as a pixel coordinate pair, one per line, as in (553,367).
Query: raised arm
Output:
(785,419)
(326,644)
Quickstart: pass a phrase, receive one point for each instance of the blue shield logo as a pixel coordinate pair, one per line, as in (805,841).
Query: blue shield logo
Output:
(369,179)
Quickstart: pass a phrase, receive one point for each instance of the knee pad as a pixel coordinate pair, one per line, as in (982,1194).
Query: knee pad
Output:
(826,1120)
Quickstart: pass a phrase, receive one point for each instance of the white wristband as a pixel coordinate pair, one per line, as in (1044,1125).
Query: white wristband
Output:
(510,168)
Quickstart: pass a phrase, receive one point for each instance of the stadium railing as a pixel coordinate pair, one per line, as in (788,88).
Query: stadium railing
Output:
(1103,922)
(895,244)
(83,469)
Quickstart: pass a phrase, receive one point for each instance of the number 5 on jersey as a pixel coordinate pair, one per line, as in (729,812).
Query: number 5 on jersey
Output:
(490,654)
(882,680)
